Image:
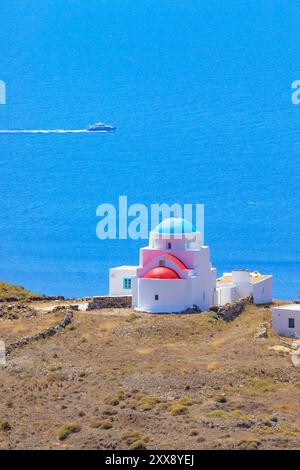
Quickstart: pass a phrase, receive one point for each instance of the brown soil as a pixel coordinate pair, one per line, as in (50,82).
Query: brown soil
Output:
(115,379)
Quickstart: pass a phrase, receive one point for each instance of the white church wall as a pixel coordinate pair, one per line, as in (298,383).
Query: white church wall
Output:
(167,262)
(195,243)
(202,260)
(189,258)
(202,291)
(157,295)
(211,291)
(175,242)
(134,289)
(169,243)
(200,288)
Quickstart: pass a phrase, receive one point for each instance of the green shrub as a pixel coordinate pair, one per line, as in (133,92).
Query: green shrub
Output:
(186,401)
(248,444)
(131,317)
(221,399)
(5,426)
(109,412)
(137,445)
(264,385)
(147,403)
(178,409)
(133,437)
(101,423)
(111,400)
(67,429)
(83,373)
(218,413)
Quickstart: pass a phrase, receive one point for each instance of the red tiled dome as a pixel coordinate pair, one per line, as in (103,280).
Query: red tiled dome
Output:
(161,273)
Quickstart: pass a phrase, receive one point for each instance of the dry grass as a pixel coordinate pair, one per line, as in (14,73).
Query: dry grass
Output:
(101,423)
(67,429)
(178,409)
(129,381)
(9,290)
(212,366)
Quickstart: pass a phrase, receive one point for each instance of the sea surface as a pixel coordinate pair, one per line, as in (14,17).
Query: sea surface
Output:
(200,92)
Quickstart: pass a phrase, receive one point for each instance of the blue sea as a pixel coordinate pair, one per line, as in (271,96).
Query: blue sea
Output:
(200,93)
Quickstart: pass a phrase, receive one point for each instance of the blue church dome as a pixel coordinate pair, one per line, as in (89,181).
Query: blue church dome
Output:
(174,225)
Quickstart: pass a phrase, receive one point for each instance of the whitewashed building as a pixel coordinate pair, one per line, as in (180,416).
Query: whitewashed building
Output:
(120,280)
(286,320)
(175,273)
(240,283)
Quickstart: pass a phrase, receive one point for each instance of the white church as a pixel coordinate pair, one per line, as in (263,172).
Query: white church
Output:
(175,273)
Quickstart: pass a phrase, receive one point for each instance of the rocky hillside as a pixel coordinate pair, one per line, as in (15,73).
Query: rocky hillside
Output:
(8,291)
(115,379)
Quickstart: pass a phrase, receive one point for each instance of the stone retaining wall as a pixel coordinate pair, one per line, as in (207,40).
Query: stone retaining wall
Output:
(52,330)
(229,312)
(110,302)
(35,298)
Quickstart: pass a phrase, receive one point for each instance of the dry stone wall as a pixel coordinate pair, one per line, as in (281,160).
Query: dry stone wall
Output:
(229,312)
(110,302)
(35,298)
(51,331)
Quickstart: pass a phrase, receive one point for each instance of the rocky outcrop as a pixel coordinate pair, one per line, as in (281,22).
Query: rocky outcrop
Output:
(61,308)
(16,311)
(229,312)
(280,349)
(191,310)
(262,331)
(292,349)
(52,330)
(110,302)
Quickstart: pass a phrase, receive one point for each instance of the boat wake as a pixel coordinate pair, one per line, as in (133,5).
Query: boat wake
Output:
(49,131)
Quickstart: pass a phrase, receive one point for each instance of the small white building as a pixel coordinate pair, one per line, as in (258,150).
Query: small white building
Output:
(120,280)
(175,273)
(286,320)
(240,283)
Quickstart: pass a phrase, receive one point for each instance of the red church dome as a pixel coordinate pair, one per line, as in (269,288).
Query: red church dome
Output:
(161,273)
